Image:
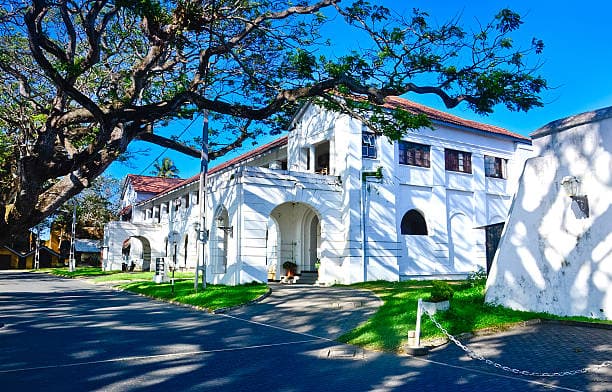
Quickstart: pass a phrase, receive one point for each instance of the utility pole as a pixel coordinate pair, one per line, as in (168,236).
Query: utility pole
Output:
(202,234)
(71,260)
(37,252)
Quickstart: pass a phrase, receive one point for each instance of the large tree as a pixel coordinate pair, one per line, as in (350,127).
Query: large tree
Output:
(82,79)
(95,206)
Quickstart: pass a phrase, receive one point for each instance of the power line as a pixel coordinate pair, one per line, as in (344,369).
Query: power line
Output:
(166,149)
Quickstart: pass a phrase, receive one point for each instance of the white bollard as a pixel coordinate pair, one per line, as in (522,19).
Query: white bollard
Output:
(414,337)
(417,338)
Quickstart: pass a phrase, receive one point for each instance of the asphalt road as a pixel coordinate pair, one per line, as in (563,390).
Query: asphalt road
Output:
(68,335)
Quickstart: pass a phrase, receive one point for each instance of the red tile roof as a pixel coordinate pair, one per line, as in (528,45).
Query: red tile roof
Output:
(125,210)
(437,115)
(148,184)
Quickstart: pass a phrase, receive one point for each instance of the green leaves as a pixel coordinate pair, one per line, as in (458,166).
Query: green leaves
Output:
(304,63)
(85,78)
(363,9)
(508,20)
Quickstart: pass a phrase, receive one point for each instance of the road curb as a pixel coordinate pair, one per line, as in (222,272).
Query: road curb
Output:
(254,301)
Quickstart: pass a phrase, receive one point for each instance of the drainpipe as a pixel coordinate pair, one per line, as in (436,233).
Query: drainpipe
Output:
(363,180)
(240,188)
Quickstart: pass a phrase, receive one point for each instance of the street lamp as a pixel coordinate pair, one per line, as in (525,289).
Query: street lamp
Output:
(571,186)
(228,229)
(202,236)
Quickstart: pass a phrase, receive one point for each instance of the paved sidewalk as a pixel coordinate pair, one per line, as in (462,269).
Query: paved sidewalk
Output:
(543,348)
(326,312)
(329,312)
(66,335)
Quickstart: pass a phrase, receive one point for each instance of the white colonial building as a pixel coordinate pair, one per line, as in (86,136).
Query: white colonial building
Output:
(334,194)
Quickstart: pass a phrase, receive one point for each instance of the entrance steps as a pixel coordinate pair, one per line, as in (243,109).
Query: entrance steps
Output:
(308,277)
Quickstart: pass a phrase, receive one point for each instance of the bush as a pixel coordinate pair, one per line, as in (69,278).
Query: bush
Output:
(477,278)
(290,266)
(440,291)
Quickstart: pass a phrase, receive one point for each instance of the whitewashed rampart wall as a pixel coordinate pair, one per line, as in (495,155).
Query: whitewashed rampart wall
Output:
(552,258)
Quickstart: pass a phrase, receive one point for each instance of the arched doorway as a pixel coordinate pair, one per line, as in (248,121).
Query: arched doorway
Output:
(312,240)
(136,250)
(294,234)
(221,231)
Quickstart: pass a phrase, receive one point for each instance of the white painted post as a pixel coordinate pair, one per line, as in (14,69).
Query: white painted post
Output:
(417,337)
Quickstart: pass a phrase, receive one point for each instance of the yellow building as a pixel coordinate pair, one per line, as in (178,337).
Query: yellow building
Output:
(11,259)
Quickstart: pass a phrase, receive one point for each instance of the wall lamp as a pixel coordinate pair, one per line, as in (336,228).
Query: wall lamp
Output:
(227,229)
(571,185)
(202,234)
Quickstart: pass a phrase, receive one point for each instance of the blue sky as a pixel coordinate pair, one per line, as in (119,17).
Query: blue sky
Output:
(577,62)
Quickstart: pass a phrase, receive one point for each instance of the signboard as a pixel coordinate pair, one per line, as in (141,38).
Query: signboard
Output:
(160,270)
(159,266)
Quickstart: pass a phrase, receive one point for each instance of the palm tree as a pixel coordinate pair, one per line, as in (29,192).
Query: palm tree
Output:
(167,169)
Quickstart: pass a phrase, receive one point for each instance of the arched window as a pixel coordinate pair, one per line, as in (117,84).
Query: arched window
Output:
(413,223)
(185,247)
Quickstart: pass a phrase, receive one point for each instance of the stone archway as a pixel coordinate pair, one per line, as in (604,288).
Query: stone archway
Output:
(296,231)
(312,240)
(137,250)
(221,231)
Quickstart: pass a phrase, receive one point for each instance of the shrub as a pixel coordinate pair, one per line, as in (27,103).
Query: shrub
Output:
(440,291)
(290,266)
(477,278)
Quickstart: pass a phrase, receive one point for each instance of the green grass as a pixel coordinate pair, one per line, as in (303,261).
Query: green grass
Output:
(387,330)
(214,297)
(98,275)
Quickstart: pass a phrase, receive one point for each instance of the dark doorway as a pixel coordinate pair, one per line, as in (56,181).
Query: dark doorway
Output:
(493,235)
(5,262)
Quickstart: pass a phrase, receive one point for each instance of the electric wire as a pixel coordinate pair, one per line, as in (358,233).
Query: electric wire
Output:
(166,149)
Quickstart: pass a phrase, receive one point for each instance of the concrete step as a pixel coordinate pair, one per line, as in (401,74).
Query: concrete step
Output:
(308,277)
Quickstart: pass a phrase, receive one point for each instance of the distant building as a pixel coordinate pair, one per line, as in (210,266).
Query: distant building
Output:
(138,188)
(334,193)
(12,259)
(87,251)
(555,255)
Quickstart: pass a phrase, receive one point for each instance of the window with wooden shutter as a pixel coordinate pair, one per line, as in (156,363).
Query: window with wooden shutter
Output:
(495,167)
(414,154)
(459,161)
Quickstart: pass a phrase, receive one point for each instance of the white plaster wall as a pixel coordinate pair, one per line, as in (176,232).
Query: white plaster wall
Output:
(117,232)
(453,204)
(551,257)
(472,199)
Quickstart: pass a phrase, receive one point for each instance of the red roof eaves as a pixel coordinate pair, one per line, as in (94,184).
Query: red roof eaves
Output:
(151,184)
(434,114)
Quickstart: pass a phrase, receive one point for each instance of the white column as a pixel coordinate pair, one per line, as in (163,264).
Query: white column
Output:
(312,159)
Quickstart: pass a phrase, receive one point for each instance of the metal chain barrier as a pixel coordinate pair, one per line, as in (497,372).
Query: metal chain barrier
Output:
(474,355)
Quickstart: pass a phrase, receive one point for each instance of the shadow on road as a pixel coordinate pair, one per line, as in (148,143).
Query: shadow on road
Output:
(68,335)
